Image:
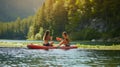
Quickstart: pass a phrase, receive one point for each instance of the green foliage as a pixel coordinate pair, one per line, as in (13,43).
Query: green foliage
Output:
(15,30)
(39,35)
(82,19)
(85,34)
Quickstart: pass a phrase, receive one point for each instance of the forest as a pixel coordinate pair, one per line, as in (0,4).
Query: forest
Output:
(81,19)
(15,29)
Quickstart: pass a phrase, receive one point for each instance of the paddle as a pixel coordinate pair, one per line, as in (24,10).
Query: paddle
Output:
(58,38)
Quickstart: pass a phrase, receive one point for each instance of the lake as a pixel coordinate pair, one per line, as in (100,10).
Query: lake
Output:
(23,57)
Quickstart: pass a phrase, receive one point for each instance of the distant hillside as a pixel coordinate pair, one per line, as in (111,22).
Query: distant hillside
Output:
(11,9)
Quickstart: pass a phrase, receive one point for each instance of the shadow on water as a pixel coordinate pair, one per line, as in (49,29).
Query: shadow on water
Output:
(22,57)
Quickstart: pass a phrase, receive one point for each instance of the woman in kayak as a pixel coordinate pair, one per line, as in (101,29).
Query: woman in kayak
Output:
(47,38)
(64,41)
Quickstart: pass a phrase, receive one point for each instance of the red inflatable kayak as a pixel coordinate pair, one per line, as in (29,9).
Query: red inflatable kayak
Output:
(35,46)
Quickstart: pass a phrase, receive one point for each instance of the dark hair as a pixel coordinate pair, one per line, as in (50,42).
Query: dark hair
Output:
(65,33)
(47,32)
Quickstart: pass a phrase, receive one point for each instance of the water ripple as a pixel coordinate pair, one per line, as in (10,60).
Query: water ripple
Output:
(23,57)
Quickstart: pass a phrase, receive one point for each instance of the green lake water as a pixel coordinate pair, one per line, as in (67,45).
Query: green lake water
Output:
(23,57)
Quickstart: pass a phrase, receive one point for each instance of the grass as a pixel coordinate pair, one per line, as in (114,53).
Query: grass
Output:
(99,47)
(80,46)
(15,44)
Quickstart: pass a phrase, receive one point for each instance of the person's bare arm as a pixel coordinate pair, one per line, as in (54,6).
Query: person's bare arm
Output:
(62,42)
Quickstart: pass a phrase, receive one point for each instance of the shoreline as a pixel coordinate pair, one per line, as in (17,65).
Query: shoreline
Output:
(80,46)
(99,47)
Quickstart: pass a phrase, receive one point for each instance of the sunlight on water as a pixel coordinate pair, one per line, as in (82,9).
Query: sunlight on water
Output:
(20,57)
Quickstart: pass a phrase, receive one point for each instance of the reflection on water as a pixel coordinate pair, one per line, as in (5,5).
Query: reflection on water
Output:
(20,57)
